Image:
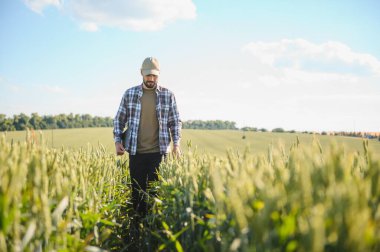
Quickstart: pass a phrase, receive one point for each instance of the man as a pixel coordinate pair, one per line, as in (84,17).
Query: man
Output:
(149,111)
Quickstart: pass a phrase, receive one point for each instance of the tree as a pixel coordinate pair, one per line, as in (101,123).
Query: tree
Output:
(6,124)
(21,122)
(61,121)
(50,121)
(249,129)
(3,118)
(36,121)
(280,130)
(211,124)
(70,120)
(86,121)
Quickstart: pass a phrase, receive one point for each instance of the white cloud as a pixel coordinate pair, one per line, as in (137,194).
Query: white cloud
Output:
(15,88)
(138,15)
(303,85)
(343,97)
(91,27)
(39,5)
(301,54)
(53,89)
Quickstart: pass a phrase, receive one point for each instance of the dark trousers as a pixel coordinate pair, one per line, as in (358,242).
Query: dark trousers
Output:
(143,169)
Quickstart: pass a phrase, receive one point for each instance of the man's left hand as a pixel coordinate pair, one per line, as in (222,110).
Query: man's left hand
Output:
(176,151)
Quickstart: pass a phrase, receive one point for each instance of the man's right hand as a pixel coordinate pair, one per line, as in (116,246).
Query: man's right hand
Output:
(119,148)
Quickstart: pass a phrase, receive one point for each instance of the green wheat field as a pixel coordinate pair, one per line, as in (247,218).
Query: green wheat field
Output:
(213,142)
(66,190)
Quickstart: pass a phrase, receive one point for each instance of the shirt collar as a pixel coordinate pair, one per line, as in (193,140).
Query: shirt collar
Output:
(158,89)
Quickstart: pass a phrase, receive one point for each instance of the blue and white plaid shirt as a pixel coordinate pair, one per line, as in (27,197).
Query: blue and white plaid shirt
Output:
(129,113)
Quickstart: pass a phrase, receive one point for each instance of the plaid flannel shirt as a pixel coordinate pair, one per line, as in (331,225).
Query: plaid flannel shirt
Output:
(129,113)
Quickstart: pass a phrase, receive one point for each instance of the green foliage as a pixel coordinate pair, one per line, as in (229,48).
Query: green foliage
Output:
(57,200)
(304,197)
(210,124)
(280,130)
(61,121)
(249,129)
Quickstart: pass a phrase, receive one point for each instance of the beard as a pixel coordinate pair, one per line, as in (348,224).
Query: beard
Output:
(150,84)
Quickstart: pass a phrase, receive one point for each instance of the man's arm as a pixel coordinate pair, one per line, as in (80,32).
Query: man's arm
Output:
(175,125)
(119,124)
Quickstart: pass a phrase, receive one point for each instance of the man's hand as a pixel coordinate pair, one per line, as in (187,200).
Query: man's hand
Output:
(176,151)
(119,148)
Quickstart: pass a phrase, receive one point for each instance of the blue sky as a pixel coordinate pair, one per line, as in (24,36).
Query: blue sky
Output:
(303,65)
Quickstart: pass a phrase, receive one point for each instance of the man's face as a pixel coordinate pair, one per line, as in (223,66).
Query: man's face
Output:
(150,80)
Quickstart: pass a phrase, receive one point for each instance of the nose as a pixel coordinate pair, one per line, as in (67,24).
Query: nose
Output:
(150,78)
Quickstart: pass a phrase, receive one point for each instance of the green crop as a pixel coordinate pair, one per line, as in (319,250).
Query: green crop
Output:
(300,198)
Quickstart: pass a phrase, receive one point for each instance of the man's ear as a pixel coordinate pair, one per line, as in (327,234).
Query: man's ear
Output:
(141,72)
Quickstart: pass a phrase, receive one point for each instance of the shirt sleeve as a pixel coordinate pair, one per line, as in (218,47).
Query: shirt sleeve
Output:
(120,119)
(174,121)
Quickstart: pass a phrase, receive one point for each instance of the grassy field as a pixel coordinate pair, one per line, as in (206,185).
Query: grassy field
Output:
(307,197)
(214,142)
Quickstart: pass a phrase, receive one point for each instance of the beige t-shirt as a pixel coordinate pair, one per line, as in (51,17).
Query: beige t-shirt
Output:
(147,138)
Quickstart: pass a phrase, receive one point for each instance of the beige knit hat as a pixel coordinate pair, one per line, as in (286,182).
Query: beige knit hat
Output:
(150,66)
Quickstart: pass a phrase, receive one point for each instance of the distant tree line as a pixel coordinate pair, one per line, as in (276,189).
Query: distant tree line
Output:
(64,121)
(278,130)
(253,129)
(61,121)
(210,124)
(368,135)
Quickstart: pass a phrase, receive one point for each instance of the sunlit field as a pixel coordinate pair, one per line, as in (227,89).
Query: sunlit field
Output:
(213,142)
(282,194)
